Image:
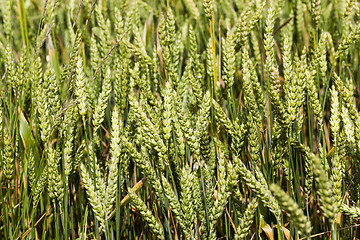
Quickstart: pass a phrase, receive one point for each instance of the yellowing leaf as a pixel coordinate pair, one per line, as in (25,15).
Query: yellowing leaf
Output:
(286,233)
(268,231)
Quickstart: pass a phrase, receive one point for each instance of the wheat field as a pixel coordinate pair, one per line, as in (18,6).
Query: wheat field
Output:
(184,119)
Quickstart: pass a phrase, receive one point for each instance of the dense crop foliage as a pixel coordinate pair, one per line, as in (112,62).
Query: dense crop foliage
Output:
(183,119)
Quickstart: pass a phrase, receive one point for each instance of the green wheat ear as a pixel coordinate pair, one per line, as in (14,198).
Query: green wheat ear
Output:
(289,205)
(8,155)
(93,195)
(328,203)
(209,8)
(154,226)
(246,220)
(115,147)
(99,111)
(261,191)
